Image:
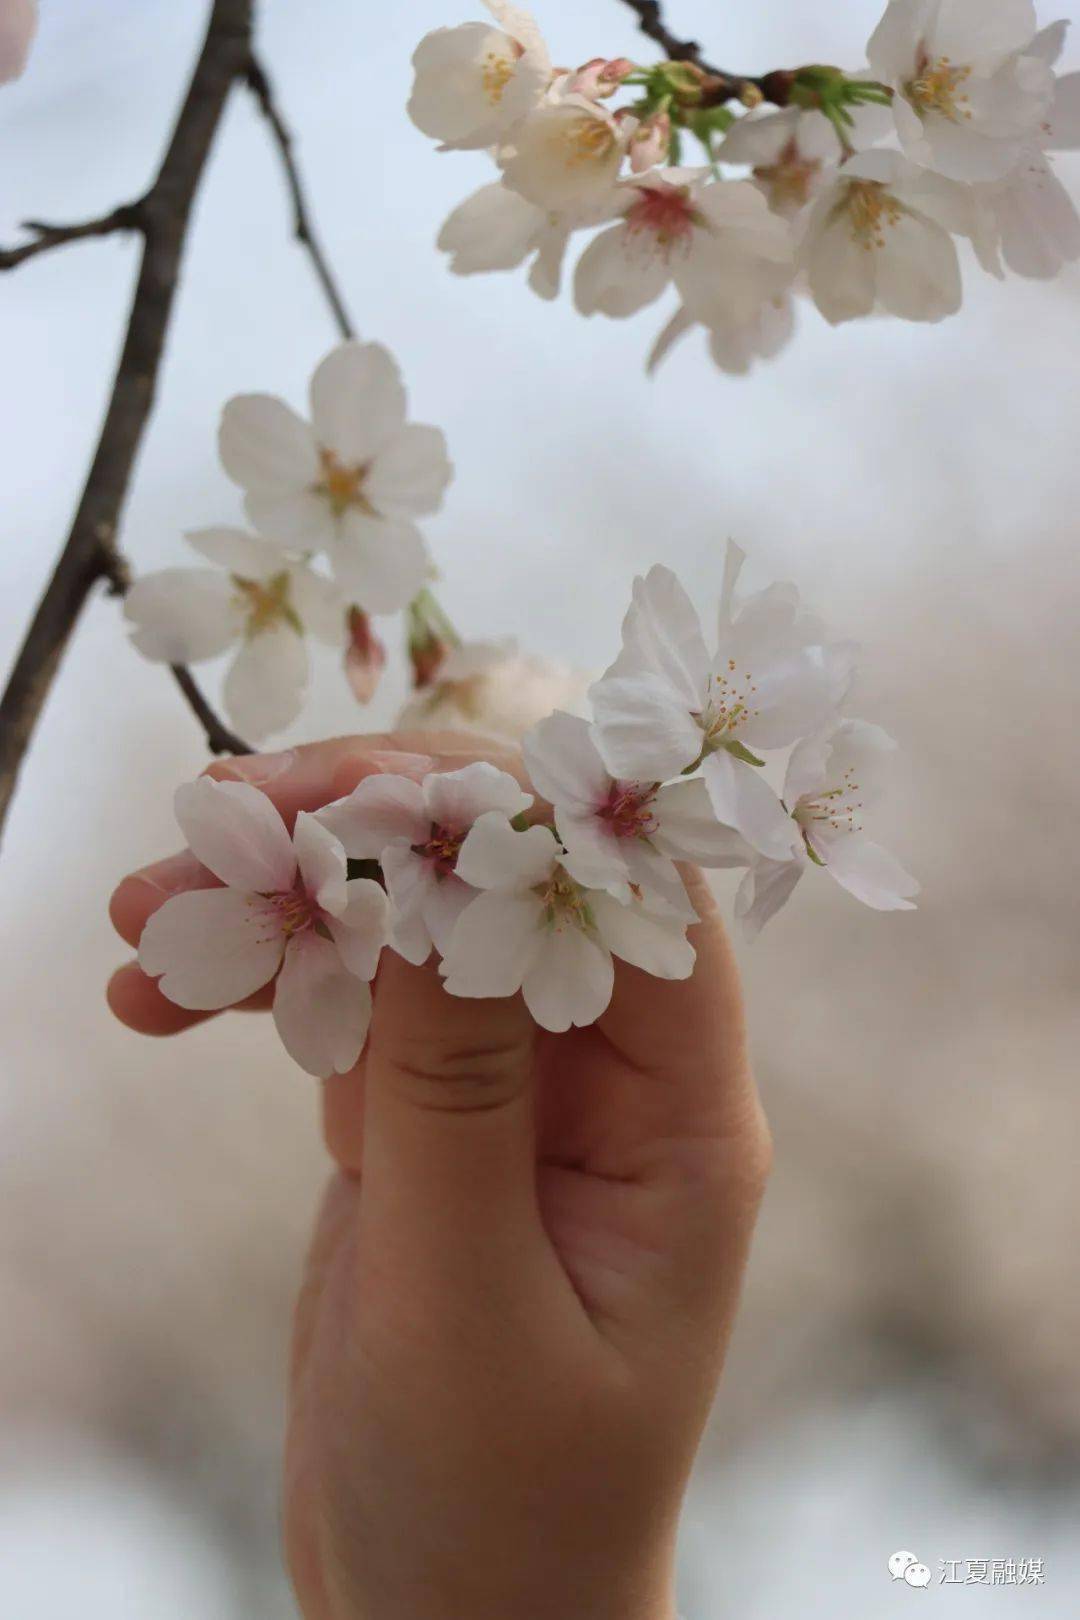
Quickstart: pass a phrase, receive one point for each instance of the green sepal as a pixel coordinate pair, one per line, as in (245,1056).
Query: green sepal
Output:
(739,750)
(817,860)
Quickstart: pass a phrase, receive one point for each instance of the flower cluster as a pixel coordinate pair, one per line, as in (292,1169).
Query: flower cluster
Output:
(346,486)
(851,193)
(538,885)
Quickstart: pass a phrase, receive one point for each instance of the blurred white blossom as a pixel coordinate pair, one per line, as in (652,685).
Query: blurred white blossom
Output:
(474,82)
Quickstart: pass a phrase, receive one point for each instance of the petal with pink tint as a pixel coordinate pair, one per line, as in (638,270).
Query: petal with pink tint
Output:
(234,830)
(322,1011)
(212,947)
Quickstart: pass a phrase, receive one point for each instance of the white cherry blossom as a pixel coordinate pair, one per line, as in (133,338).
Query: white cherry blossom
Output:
(287,912)
(416,830)
(259,600)
(878,238)
(831,780)
(539,927)
(475,82)
(736,346)
(498,229)
(968,92)
(567,154)
(716,240)
(18,25)
(351,482)
(495,690)
(790,152)
(627,835)
(667,707)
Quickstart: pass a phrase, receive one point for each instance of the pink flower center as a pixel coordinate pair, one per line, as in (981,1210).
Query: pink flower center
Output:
(665,213)
(441,848)
(627,811)
(296,910)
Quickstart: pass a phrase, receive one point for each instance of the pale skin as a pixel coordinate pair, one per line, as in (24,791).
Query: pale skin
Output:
(524,1275)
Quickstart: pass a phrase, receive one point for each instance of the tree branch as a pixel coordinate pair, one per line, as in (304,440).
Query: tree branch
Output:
(127,217)
(219,739)
(90,552)
(303,227)
(720,86)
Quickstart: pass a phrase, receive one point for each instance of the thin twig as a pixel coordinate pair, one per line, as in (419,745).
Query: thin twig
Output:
(303,227)
(720,85)
(219,739)
(125,218)
(90,552)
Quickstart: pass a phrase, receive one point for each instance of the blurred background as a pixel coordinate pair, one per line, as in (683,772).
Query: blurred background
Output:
(906,1371)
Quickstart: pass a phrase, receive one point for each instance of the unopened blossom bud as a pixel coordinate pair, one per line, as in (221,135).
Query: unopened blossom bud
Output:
(428,653)
(365,656)
(650,143)
(600,76)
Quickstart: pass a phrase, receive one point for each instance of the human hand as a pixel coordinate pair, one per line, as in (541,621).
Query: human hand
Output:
(524,1274)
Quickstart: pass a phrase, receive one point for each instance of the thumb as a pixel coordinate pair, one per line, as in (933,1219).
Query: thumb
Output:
(448,1154)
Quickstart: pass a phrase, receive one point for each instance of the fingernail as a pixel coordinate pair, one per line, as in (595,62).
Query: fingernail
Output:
(390,763)
(256,768)
(176,874)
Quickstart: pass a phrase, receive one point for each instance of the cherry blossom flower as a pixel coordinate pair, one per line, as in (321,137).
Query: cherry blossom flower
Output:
(665,707)
(257,599)
(416,830)
(287,911)
(790,152)
(351,483)
(567,154)
(627,835)
(540,928)
(497,229)
(734,347)
(878,238)
(18,25)
(716,240)
(475,82)
(493,689)
(1030,220)
(968,93)
(831,779)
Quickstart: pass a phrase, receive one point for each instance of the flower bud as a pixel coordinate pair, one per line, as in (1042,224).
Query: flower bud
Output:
(600,76)
(365,656)
(650,142)
(428,652)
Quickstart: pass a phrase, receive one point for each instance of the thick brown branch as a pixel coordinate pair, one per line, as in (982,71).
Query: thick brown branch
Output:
(303,227)
(89,553)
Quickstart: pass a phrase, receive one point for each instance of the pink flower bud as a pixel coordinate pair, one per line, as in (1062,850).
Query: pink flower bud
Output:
(600,77)
(365,656)
(649,143)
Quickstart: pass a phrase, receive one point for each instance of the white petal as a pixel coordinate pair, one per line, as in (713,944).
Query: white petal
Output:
(767,886)
(235,831)
(662,633)
(321,1010)
(680,323)
(319,605)
(1065,118)
(408,476)
(689,831)
(564,762)
(410,878)
(743,799)
(357,401)
(839,269)
(655,943)
(212,947)
(299,518)
(620,272)
(472,82)
(248,555)
(18,24)
(444,903)
(266,684)
(918,272)
(379,564)
(493,945)
(363,927)
(893,47)
(454,799)
(565,155)
(643,731)
(759,138)
(380,810)
(570,980)
(973,31)
(321,859)
(545,277)
(821,762)
(870,873)
(494,856)
(265,447)
(494,229)
(183,615)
